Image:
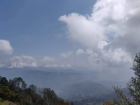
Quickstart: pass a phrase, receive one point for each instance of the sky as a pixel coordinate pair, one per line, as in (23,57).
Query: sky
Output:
(99,35)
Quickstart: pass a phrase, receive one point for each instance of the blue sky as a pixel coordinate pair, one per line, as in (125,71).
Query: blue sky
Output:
(32,26)
(99,35)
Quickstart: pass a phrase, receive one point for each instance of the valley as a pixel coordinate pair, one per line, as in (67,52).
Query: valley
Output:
(80,87)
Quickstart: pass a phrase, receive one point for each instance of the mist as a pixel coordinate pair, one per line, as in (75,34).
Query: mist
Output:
(59,78)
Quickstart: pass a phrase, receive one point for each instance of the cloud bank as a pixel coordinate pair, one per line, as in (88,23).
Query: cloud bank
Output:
(22,61)
(110,33)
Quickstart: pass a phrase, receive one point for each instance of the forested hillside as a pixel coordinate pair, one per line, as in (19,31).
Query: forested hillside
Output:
(86,88)
(17,91)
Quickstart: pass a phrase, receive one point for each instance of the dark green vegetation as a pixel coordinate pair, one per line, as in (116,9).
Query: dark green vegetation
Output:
(16,90)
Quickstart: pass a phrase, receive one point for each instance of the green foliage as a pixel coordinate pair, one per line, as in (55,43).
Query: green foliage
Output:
(12,97)
(3,81)
(5,92)
(32,95)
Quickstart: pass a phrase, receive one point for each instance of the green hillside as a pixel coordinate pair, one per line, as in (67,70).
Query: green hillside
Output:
(16,91)
(6,102)
(87,88)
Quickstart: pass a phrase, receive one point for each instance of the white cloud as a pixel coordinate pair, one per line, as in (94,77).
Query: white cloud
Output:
(22,61)
(48,59)
(5,47)
(62,65)
(111,33)
(83,30)
(53,62)
(89,51)
(22,58)
(48,62)
(51,65)
(68,65)
(66,55)
(79,51)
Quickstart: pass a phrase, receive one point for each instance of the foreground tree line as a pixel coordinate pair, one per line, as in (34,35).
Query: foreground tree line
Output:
(16,90)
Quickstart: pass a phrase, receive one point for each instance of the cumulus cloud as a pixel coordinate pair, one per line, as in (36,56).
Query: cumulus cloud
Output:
(48,62)
(79,51)
(29,61)
(110,33)
(66,55)
(82,30)
(51,65)
(63,65)
(5,47)
(22,61)
(89,51)
(54,62)
(48,59)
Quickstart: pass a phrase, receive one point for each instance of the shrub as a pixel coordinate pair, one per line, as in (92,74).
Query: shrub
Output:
(12,97)
(5,92)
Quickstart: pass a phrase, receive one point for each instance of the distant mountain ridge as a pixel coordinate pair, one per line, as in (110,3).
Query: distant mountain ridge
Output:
(55,78)
(111,84)
(87,88)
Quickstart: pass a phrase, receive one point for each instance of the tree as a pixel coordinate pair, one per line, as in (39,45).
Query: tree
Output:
(47,95)
(71,103)
(33,88)
(133,87)
(5,92)
(50,97)
(11,85)
(16,90)
(18,82)
(3,81)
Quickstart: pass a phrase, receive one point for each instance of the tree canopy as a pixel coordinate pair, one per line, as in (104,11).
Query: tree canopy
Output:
(16,90)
